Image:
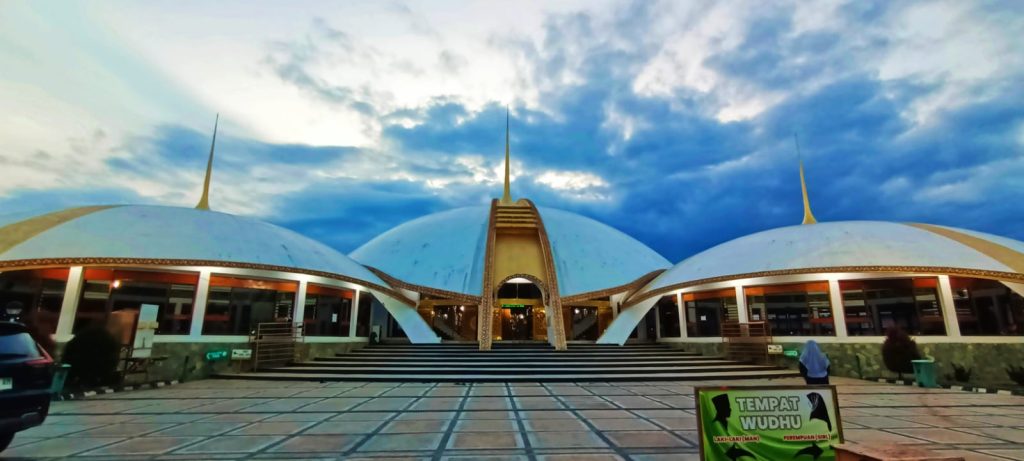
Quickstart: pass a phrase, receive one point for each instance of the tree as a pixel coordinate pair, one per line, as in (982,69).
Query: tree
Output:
(898,351)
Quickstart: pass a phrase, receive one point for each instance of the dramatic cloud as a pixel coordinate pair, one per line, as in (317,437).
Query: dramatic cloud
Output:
(672,121)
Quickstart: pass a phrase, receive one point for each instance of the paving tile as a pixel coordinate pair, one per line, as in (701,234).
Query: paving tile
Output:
(878,436)
(533,403)
(945,436)
(143,446)
(1017,454)
(232,444)
(546,414)
(609,456)
(596,414)
(486,425)
(402,442)
(881,422)
(645,439)
(237,417)
(409,426)
(54,430)
(486,414)
(269,428)
(122,429)
(667,457)
(333,404)
(410,415)
(316,444)
(489,440)
(344,427)
(623,424)
(58,447)
(385,403)
(363,416)
(587,402)
(1009,434)
(487,403)
(437,403)
(565,439)
(198,429)
(299,417)
(545,425)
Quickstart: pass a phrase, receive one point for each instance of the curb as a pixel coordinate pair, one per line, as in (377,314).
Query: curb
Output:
(979,390)
(111,390)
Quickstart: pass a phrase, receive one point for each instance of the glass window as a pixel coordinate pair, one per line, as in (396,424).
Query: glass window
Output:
(873,306)
(366,301)
(454,322)
(987,307)
(112,290)
(581,323)
(799,309)
(707,310)
(668,317)
(235,306)
(40,294)
(328,311)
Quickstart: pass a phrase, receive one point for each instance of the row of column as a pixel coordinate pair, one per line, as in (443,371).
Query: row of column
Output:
(945,294)
(76,280)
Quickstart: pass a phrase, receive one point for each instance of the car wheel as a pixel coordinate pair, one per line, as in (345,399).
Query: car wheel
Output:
(5,439)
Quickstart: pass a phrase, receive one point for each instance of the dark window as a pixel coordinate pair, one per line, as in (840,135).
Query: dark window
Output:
(987,307)
(873,306)
(800,309)
(363,320)
(40,294)
(668,317)
(706,311)
(111,290)
(328,312)
(237,306)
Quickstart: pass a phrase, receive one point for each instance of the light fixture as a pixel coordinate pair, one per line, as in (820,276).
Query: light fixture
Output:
(14,308)
(116,284)
(462,308)
(576,310)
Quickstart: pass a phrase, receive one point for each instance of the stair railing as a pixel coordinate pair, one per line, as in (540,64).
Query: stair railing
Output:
(274,344)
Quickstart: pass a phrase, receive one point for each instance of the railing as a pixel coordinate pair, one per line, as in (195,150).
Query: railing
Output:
(747,341)
(274,344)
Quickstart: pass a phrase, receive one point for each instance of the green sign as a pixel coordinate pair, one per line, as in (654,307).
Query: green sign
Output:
(513,305)
(213,356)
(791,353)
(768,423)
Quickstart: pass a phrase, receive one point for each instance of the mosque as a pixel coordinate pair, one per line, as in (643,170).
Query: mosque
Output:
(512,272)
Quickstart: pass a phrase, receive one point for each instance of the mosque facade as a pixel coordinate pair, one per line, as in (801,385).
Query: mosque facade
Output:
(509,271)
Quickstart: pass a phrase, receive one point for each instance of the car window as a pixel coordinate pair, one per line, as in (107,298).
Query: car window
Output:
(17,344)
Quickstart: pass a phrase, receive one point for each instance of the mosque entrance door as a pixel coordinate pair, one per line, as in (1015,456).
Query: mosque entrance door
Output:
(517,323)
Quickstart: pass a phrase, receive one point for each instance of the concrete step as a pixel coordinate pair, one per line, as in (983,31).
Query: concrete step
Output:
(513,377)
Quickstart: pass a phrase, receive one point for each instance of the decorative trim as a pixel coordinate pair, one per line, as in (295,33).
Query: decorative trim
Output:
(555,300)
(143,262)
(112,390)
(929,270)
(1005,255)
(461,297)
(18,232)
(485,316)
(628,287)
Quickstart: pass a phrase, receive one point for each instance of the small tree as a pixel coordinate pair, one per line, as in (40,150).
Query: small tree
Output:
(93,355)
(898,351)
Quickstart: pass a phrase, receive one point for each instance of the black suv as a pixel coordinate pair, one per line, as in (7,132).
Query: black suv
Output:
(26,373)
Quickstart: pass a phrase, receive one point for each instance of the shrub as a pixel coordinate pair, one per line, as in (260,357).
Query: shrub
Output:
(898,350)
(93,355)
(960,374)
(1016,374)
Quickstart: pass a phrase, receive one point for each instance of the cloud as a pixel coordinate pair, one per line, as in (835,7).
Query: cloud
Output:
(671,121)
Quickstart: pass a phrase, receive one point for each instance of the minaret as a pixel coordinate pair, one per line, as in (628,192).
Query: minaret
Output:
(204,201)
(506,198)
(808,216)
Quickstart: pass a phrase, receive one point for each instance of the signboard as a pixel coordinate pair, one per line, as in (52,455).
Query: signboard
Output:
(775,349)
(214,356)
(792,353)
(241,354)
(145,331)
(768,423)
(513,305)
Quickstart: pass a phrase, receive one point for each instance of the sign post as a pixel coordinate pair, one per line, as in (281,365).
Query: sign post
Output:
(768,422)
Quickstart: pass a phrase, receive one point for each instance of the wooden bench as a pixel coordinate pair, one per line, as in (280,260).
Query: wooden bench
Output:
(847,452)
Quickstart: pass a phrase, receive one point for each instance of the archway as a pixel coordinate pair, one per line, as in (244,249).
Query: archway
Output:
(520,309)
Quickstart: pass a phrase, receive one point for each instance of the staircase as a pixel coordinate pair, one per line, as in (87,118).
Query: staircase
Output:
(531,362)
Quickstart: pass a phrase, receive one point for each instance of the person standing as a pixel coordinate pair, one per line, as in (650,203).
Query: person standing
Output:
(814,365)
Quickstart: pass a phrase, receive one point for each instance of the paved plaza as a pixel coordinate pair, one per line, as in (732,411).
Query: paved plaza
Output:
(226,419)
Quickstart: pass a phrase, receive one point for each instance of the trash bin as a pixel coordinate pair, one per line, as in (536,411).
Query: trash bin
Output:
(59,376)
(924,372)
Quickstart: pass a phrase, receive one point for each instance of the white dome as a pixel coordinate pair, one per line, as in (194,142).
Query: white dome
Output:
(168,233)
(446,251)
(838,245)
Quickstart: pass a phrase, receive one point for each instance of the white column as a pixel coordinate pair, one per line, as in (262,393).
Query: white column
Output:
(199,306)
(354,315)
(948,307)
(682,319)
(835,299)
(657,320)
(299,311)
(69,305)
(741,305)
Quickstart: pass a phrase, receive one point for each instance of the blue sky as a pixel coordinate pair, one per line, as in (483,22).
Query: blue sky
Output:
(671,121)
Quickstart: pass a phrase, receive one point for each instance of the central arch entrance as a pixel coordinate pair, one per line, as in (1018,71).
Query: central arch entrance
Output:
(519,311)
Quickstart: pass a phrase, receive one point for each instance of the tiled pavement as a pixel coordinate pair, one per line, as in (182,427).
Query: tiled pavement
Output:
(216,419)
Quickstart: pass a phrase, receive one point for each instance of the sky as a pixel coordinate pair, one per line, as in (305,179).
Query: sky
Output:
(671,121)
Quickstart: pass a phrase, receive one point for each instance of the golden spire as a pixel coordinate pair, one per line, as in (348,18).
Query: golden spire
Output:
(204,201)
(506,198)
(808,216)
